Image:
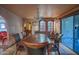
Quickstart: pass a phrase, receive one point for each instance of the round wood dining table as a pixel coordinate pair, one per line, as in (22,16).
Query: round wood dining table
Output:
(36,44)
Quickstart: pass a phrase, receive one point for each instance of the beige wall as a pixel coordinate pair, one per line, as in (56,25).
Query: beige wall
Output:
(14,22)
(57,26)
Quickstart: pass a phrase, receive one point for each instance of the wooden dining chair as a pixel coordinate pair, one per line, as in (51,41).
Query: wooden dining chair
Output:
(54,45)
(19,46)
(53,48)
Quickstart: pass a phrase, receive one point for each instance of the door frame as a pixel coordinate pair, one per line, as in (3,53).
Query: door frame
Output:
(71,14)
(77,13)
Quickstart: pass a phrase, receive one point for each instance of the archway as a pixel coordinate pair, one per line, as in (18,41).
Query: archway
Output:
(3,31)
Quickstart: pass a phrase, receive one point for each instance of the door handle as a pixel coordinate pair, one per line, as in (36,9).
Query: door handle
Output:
(77,41)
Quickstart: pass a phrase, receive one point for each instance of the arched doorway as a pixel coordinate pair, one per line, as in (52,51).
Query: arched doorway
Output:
(3,31)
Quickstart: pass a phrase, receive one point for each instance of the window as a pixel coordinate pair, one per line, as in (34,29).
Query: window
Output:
(2,25)
(50,26)
(42,26)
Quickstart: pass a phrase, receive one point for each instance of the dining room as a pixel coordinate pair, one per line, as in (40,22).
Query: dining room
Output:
(39,29)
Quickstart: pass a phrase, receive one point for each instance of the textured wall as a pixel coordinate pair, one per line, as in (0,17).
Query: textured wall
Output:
(14,22)
(57,26)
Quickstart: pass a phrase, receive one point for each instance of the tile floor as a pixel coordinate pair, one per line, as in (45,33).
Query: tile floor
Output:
(63,51)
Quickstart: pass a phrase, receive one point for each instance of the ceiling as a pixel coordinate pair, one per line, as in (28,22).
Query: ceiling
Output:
(30,10)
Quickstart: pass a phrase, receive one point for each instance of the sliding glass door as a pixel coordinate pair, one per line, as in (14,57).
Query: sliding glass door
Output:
(76,33)
(70,31)
(67,31)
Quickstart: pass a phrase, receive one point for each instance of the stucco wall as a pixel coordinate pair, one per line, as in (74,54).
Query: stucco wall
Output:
(57,26)
(14,22)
